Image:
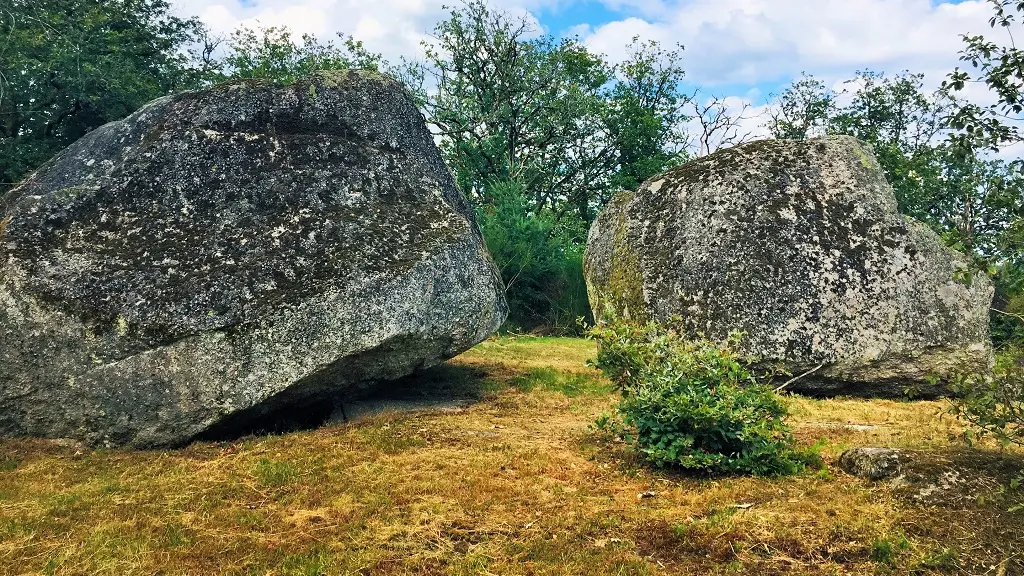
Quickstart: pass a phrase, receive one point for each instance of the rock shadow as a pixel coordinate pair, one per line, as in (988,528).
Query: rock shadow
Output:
(443,387)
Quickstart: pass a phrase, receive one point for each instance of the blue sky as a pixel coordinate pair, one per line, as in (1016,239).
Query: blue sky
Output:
(560,19)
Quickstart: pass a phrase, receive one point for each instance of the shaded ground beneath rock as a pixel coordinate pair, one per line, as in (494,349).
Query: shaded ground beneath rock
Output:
(446,387)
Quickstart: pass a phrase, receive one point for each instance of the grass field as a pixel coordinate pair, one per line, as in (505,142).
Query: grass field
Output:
(516,483)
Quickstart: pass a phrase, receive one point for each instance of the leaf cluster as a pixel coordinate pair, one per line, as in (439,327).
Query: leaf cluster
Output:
(695,404)
(510,103)
(274,54)
(542,269)
(993,403)
(999,66)
(69,66)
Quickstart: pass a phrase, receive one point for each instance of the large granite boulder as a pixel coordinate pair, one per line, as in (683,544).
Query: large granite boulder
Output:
(224,257)
(798,245)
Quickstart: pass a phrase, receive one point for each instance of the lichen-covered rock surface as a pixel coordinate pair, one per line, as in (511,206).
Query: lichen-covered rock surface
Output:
(799,245)
(872,463)
(225,256)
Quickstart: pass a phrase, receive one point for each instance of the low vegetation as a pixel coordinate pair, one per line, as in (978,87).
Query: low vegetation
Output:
(694,404)
(994,403)
(517,482)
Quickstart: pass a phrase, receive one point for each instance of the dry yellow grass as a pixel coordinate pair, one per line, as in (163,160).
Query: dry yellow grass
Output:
(514,484)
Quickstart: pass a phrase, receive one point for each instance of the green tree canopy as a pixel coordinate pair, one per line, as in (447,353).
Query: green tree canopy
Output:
(511,104)
(69,66)
(999,66)
(274,54)
(645,114)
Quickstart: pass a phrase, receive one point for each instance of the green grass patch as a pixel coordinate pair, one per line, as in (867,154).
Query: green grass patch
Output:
(390,438)
(315,562)
(275,473)
(886,550)
(570,384)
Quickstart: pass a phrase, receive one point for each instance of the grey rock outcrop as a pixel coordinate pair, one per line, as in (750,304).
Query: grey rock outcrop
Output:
(221,257)
(872,463)
(798,245)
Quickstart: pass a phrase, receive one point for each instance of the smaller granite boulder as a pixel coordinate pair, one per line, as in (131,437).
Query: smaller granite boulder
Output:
(872,463)
(800,247)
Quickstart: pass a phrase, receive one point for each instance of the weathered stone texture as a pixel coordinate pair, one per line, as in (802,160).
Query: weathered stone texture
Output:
(800,246)
(872,463)
(221,255)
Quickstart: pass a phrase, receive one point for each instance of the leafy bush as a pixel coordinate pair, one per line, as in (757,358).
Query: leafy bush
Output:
(541,261)
(994,404)
(694,404)
(1008,307)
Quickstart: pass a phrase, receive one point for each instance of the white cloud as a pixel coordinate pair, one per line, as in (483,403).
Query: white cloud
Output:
(394,28)
(756,41)
(767,43)
(727,42)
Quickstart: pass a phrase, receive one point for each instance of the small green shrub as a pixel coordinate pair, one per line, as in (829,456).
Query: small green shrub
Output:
(694,404)
(993,404)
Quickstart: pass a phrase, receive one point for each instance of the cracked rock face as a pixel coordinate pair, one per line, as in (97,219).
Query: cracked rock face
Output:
(221,256)
(798,245)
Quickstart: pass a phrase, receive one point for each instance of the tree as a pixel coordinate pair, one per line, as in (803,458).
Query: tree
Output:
(272,53)
(646,114)
(509,104)
(719,128)
(1001,69)
(542,269)
(965,197)
(802,110)
(69,66)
